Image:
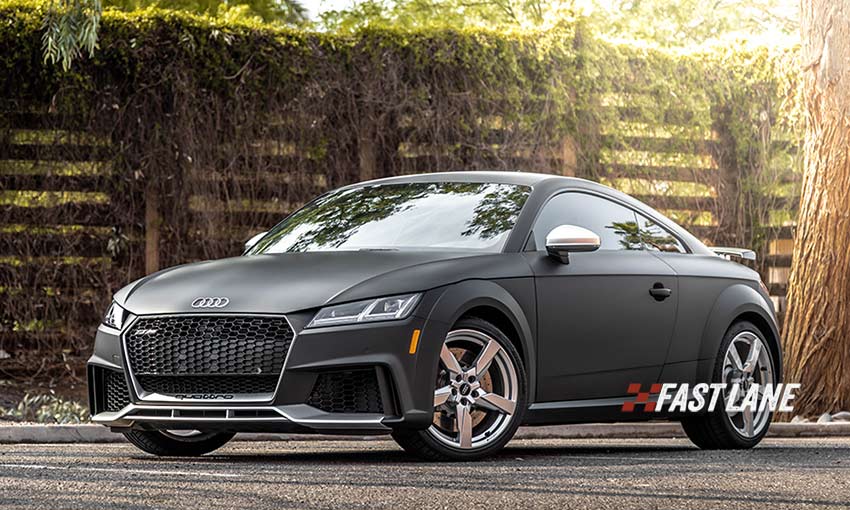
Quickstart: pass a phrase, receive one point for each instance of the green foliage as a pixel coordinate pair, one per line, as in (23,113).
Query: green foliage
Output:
(415,14)
(665,23)
(46,409)
(683,23)
(277,12)
(70,27)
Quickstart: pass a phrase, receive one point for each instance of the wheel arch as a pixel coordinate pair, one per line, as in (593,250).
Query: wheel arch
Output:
(490,301)
(736,303)
(499,319)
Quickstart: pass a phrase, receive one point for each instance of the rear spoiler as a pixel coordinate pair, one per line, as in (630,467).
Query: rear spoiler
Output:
(727,253)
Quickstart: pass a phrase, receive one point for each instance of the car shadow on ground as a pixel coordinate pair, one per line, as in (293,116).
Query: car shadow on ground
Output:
(389,453)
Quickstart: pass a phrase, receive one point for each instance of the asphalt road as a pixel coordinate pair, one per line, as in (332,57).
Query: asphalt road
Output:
(617,474)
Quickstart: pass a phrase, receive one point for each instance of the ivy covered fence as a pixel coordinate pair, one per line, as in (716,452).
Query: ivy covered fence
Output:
(184,136)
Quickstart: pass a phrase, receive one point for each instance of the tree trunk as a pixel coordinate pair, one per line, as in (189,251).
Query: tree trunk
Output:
(817,321)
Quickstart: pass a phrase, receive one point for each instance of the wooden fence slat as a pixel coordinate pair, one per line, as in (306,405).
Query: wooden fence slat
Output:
(34,120)
(663,173)
(29,244)
(223,191)
(17,341)
(777,289)
(53,307)
(675,202)
(776,233)
(248,219)
(661,145)
(702,203)
(66,214)
(54,274)
(55,152)
(778,260)
(676,117)
(42,182)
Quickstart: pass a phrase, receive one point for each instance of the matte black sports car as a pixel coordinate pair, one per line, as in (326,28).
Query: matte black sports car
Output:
(444,309)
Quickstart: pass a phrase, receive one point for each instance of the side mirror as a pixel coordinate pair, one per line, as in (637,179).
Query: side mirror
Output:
(251,242)
(564,239)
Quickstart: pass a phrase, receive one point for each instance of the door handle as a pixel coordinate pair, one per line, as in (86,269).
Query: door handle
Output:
(660,292)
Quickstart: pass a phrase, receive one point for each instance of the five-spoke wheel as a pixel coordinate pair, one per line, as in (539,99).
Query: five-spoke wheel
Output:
(479,395)
(744,361)
(747,363)
(477,390)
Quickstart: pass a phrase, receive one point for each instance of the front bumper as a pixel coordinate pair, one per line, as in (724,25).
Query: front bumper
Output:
(405,381)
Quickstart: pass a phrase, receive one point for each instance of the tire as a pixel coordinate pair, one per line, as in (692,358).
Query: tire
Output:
(717,430)
(166,444)
(494,408)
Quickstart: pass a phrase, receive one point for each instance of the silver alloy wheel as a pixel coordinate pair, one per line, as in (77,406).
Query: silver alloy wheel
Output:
(747,362)
(476,393)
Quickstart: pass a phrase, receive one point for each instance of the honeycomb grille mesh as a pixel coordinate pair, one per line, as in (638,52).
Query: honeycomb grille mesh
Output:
(116,394)
(216,354)
(353,391)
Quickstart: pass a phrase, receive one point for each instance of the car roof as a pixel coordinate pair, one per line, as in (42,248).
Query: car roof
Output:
(546,182)
(519,178)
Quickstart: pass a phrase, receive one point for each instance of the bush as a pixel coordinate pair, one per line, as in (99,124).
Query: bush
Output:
(46,409)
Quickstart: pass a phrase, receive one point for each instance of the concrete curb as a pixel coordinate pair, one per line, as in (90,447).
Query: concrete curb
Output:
(38,433)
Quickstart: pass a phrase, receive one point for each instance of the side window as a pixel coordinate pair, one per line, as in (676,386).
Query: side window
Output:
(657,238)
(615,225)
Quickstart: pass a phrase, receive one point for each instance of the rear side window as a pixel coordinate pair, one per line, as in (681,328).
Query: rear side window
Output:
(657,238)
(615,225)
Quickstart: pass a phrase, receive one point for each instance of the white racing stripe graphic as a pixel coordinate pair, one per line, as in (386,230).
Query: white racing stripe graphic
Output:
(120,470)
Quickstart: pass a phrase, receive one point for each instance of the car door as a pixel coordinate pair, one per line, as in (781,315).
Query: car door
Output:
(599,327)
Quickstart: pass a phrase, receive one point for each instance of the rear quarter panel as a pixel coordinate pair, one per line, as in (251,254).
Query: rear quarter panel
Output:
(713,292)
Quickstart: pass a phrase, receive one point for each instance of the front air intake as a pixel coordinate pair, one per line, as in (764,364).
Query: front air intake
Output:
(108,390)
(349,391)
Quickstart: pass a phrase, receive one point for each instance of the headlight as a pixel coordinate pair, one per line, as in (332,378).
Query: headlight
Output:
(381,309)
(115,315)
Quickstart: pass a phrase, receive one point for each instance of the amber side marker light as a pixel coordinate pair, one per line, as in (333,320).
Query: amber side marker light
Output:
(414,341)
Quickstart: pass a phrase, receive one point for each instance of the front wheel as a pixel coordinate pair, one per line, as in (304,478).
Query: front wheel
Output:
(744,359)
(480,396)
(177,443)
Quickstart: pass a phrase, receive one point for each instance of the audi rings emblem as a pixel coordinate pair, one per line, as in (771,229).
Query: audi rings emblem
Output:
(210,302)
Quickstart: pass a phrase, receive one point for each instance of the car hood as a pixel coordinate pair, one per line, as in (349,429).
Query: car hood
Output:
(283,283)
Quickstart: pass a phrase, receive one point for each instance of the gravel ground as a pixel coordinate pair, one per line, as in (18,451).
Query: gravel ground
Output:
(617,474)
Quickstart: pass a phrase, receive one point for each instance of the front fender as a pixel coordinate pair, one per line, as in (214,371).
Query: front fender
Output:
(513,298)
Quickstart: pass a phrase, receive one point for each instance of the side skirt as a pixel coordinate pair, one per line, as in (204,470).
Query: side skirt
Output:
(603,410)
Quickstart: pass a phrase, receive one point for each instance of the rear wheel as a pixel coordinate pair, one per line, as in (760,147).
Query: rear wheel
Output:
(744,359)
(178,443)
(479,399)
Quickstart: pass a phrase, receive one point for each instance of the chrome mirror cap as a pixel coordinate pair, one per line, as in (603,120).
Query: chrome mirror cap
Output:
(564,239)
(251,242)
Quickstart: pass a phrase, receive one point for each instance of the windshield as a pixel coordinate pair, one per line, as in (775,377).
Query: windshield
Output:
(405,216)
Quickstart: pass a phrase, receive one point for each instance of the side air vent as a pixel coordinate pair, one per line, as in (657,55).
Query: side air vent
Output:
(108,390)
(350,391)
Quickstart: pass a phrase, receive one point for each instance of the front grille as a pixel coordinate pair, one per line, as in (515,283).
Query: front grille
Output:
(116,396)
(351,391)
(208,354)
